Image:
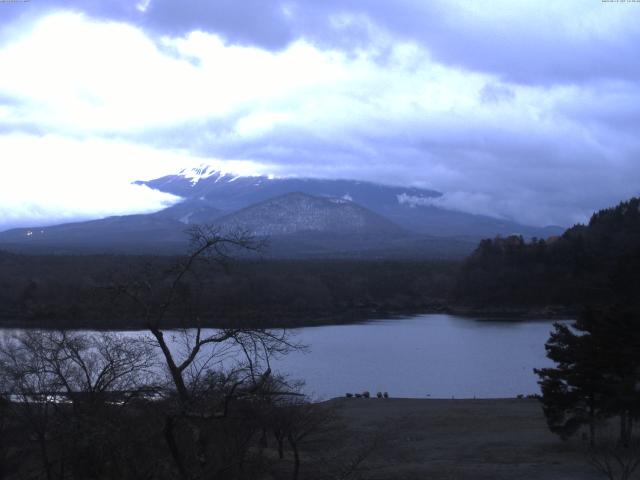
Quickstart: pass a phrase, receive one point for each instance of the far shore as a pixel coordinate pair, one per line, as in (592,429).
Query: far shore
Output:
(506,314)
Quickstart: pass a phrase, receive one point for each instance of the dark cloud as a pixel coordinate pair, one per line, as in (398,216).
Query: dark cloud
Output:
(542,172)
(12,12)
(248,22)
(253,22)
(564,42)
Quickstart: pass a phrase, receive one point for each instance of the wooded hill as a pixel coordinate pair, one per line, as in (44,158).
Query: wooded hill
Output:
(591,264)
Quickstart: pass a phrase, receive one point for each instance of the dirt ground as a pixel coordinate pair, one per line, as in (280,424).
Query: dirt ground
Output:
(458,439)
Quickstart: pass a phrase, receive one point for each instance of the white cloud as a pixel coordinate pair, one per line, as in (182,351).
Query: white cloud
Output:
(51,178)
(388,110)
(85,76)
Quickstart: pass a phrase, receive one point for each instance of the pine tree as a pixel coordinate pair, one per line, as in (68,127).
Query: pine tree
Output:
(571,392)
(597,373)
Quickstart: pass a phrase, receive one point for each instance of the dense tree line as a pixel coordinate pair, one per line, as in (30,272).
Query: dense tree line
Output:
(588,264)
(74,290)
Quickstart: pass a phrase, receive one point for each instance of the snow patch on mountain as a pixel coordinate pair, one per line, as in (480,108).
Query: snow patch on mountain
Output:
(198,173)
(205,171)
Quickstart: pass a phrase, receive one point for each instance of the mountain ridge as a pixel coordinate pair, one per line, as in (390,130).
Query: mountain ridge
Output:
(302,216)
(230,192)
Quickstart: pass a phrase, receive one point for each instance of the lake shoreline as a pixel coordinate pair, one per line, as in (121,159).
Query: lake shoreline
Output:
(352,317)
(424,356)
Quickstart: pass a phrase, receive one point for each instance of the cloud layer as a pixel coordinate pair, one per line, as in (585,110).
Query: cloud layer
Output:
(520,110)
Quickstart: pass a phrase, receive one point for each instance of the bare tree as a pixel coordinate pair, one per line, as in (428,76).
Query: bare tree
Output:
(67,390)
(80,367)
(182,401)
(210,370)
(4,414)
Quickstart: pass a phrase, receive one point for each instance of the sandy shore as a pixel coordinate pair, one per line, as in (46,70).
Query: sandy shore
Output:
(461,439)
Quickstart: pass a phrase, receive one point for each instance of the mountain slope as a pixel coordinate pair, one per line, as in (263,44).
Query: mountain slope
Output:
(230,192)
(297,212)
(406,206)
(296,225)
(138,233)
(191,211)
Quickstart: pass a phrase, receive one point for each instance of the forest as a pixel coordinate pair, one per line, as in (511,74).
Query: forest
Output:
(593,264)
(78,290)
(505,276)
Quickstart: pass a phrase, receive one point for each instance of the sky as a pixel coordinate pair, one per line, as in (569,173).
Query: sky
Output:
(527,110)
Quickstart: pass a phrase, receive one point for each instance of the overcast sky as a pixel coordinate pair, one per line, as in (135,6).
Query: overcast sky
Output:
(527,110)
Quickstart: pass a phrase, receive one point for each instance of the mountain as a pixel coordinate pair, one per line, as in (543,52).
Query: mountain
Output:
(408,207)
(231,192)
(295,213)
(302,217)
(289,214)
(296,225)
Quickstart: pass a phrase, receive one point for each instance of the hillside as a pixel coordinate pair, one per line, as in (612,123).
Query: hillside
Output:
(301,213)
(133,233)
(296,225)
(593,263)
(409,207)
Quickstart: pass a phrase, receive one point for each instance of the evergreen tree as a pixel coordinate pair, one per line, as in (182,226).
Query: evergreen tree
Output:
(571,394)
(597,373)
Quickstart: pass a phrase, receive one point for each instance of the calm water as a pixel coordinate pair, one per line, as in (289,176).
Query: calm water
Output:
(428,355)
(437,356)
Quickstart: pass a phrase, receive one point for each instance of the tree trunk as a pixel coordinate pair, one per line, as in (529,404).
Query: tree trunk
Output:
(280,448)
(45,457)
(2,455)
(173,447)
(176,374)
(624,428)
(264,442)
(592,422)
(296,457)
(280,441)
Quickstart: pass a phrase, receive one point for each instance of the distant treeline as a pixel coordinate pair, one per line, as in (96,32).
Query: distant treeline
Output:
(594,264)
(82,290)
(589,264)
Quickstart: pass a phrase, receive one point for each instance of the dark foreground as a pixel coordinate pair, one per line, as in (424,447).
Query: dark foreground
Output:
(457,439)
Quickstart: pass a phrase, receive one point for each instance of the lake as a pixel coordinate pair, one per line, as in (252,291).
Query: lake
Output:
(423,356)
(436,356)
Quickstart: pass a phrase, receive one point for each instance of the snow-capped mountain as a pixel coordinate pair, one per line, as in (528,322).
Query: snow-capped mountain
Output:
(302,216)
(406,206)
(232,192)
